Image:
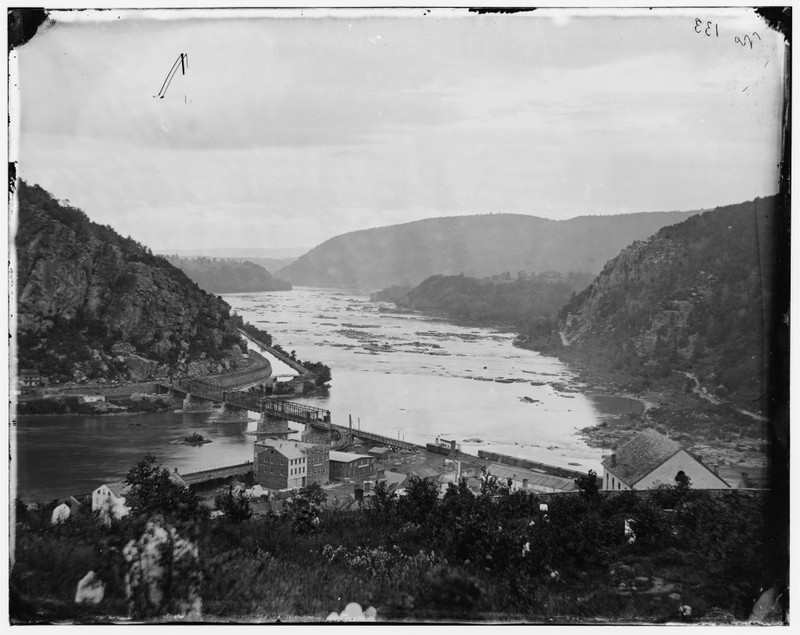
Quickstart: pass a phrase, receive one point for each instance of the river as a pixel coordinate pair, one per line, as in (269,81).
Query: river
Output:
(407,376)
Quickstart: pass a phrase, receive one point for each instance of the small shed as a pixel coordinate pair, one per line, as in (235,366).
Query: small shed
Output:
(380,452)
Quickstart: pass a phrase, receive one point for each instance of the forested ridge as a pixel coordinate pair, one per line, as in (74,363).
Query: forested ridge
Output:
(228,276)
(478,246)
(695,298)
(528,304)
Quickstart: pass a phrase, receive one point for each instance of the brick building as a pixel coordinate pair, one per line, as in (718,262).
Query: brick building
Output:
(346,465)
(281,464)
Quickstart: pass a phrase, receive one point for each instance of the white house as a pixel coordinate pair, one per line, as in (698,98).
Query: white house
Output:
(109,499)
(650,459)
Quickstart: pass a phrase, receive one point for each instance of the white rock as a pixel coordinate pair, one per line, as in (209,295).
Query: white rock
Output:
(91,589)
(352,612)
(60,514)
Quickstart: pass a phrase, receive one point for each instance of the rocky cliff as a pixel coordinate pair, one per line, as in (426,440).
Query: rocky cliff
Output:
(94,305)
(477,246)
(695,298)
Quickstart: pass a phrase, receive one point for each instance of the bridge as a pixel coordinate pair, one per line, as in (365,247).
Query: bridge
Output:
(377,439)
(194,479)
(271,406)
(280,409)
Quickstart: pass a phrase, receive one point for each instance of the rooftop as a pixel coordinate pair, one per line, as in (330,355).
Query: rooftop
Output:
(289,449)
(119,488)
(346,457)
(641,455)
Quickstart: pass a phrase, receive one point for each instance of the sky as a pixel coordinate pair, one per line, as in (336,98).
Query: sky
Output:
(286,130)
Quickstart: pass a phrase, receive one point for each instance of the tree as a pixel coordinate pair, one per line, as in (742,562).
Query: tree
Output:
(382,502)
(154,491)
(682,482)
(491,486)
(421,499)
(314,494)
(588,486)
(236,506)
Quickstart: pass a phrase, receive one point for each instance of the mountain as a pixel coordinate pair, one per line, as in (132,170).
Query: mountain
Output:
(94,305)
(226,276)
(241,253)
(476,246)
(529,304)
(695,298)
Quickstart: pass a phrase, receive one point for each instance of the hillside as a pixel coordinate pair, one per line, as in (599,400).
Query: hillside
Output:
(227,276)
(94,305)
(476,246)
(695,298)
(529,305)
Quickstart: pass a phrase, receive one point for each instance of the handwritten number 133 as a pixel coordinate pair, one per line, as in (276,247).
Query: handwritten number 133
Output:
(698,27)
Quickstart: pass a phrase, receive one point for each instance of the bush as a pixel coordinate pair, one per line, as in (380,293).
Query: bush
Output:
(235,506)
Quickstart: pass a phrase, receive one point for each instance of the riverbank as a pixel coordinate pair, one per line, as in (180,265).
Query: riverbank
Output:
(93,404)
(718,432)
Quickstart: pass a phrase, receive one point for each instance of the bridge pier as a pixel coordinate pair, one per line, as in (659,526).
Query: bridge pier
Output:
(312,434)
(269,426)
(197,404)
(232,414)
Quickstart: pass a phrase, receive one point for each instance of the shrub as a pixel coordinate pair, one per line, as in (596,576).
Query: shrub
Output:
(235,506)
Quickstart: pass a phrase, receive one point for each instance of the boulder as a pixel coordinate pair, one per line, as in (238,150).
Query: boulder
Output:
(60,514)
(91,589)
(139,367)
(767,609)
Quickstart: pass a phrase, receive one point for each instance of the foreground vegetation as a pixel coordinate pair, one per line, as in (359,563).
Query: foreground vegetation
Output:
(497,555)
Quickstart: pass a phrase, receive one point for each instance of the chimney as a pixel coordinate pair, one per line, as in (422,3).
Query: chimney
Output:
(524,483)
(716,469)
(613,460)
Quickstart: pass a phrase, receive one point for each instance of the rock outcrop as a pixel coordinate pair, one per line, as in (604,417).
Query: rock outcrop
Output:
(696,297)
(94,305)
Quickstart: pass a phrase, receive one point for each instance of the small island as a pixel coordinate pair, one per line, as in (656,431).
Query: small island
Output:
(195,439)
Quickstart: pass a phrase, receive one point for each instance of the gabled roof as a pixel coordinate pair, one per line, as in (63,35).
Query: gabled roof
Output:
(289,449)
(347,457)
(119,488)
(641,455)
(177,479)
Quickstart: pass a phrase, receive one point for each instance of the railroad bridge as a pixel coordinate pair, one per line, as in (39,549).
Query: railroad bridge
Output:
(198,394)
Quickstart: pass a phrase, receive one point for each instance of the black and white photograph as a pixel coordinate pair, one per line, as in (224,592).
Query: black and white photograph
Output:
(399,315)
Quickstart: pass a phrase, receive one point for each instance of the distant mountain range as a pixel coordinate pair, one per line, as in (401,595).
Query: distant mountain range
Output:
(228,276)
(476,246)
(274,253)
